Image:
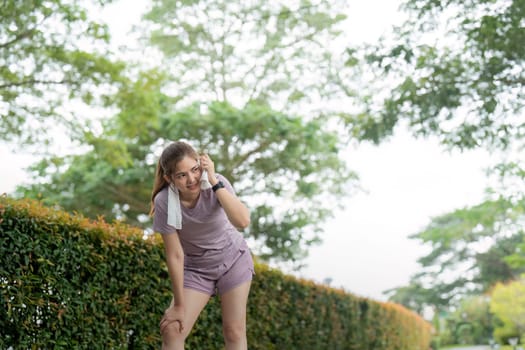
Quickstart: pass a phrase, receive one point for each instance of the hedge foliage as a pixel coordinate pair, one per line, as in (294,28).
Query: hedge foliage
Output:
(67,282)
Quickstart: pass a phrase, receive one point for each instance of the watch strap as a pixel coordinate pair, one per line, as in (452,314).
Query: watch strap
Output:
(217,186)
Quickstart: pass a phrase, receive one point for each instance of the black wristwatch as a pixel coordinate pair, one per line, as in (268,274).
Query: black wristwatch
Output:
(217,186)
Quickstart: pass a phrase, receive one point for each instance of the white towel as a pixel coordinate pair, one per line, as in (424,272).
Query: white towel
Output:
(174,210)
(205,183)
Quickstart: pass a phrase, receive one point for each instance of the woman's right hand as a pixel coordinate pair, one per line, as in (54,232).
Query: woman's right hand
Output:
(174,313)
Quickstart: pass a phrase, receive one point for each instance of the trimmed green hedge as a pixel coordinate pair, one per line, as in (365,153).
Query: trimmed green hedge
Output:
(67,282)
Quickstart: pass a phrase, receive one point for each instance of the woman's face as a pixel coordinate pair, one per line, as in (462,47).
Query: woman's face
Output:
(187,175)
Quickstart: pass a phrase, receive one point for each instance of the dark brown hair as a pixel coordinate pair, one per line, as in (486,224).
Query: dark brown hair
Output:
(168,160)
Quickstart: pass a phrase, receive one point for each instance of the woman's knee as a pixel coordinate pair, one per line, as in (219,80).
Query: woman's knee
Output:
(234,332)
(172,333)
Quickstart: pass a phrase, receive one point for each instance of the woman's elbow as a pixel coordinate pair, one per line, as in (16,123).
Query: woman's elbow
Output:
(175,262)
(243,223)
(176,256)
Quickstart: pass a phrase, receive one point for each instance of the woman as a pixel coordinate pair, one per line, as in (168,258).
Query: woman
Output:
(198,215)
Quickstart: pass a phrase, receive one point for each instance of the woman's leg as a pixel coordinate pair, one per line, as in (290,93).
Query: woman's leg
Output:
(194,302)
(233,305)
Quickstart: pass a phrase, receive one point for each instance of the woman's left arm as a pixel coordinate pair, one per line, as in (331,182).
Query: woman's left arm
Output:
(237,212)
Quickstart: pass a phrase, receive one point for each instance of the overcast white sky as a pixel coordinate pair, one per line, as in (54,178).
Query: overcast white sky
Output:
(366,249)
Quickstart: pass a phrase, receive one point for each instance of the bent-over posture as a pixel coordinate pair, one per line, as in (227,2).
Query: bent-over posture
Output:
(199,216)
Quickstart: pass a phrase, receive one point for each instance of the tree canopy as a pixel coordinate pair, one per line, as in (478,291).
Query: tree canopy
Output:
(276,52)
(454,69)
(508,305)
(53,65)
(470,250)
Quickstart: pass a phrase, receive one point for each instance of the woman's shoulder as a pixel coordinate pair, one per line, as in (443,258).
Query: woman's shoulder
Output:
(162,196)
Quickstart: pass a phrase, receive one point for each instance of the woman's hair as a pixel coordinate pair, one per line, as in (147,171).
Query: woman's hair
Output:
(168,160)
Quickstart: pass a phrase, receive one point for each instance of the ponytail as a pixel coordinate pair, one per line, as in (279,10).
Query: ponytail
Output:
(158,185)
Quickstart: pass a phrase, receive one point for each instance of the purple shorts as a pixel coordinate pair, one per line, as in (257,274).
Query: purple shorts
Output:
(221,278)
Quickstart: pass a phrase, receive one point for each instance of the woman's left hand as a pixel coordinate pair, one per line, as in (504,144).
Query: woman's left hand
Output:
(208,165)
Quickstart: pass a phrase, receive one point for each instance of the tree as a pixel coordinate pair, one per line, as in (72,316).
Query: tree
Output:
(470,249)
(51,67)
(454,69)
(508,305)
(413,296)
(473,311)
(276,52)
(512,176)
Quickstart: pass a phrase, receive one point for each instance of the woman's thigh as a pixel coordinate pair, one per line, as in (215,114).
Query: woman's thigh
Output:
(233,304)
(194,302)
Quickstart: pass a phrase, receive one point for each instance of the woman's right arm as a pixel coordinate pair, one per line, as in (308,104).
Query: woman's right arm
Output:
(175,263)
